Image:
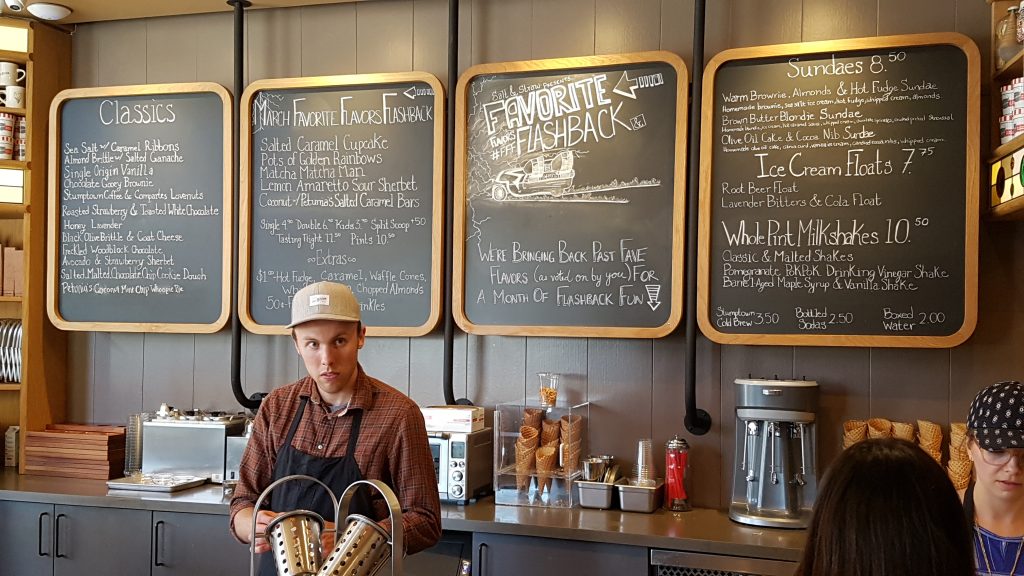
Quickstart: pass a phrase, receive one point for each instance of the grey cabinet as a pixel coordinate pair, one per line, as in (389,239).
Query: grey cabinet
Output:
(108,541)
(43,539)
(504,555)
(26,538)
(190,544)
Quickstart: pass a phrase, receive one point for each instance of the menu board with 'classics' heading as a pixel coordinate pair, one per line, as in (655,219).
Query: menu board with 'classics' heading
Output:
(139,216)
(839,193)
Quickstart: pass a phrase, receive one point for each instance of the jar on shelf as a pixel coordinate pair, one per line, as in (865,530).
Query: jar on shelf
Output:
(1006,37)
(677,475)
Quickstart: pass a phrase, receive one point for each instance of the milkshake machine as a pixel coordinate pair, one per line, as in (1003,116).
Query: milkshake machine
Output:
(774,479)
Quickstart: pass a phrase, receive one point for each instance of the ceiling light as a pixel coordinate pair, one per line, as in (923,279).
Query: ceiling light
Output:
(48,11)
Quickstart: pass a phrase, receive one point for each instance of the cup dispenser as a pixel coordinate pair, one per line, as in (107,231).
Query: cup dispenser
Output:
(775,474)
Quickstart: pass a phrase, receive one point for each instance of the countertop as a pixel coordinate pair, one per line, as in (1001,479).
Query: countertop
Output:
(701,530)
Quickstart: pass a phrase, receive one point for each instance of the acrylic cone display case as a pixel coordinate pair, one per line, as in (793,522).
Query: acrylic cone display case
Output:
(538,452)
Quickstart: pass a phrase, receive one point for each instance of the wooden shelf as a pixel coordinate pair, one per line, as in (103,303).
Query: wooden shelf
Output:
(10,387)
(1009,210)
(16,111)
(16,164)
(11,298)
(1012,69)
(19,57)
(10,211)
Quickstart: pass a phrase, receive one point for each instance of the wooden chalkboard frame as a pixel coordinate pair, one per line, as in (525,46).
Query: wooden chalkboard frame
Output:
(53,219)
(245,206)
(461,191)
(973,87)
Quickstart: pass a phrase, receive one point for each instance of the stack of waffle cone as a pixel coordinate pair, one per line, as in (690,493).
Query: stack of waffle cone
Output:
(526,450)
(572,428)
(929,437)
(903,430)
(532,417)
(550,431)
(959,473)
(571,457)
(547,457)
(879,428)
(958,441)
(854,431)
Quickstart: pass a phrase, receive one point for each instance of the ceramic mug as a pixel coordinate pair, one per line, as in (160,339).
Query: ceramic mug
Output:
(10,74)
(13,96)
(6,147)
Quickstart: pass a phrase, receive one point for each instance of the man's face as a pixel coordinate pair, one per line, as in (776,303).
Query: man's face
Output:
(330,350)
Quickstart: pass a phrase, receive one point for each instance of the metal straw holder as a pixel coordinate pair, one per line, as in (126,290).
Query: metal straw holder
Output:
(295,541)
(364,547)
(289,518)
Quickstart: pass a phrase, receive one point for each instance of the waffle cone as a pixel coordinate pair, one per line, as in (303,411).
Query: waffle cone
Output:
(854,431)
(959,468)
(958,428)
(903,430)
(570,459)
(550,430)
(960,483)
(546,458)
(532,417)
(879,428)
(528,436)
(958,452)
(847,441)
(929,432)
(572,430)
(525,459)
(851,425)
(935,454)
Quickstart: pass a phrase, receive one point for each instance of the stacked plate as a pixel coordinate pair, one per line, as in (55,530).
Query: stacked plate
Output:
(10,350)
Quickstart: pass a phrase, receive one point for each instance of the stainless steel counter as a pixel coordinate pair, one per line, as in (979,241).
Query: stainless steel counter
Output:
(702,530)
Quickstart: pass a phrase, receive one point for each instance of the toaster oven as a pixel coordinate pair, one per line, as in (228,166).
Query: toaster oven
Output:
(463,464)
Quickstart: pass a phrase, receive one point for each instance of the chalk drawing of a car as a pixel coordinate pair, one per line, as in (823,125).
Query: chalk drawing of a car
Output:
(541,176)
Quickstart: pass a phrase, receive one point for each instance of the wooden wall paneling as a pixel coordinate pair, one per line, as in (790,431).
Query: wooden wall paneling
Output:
(171,50)
(212,378)
(916,16)
(622,26)
(387,359)
(762,22)
(495,369)
(992,353)
(328,39)
(668,408)
(121,53)
(975,20)
(744,362)
(426,368)
(215,49)
(844,392)
(117,376)
(910,384)
(502,30)
(168,370)
(269,362)
(564,356)
(563,29)
(620,375)
(466,43)
(430,38)
(676,21)
(85,57)
(81,384)
(833,19)
(717,31)
(384,33)
(273,44)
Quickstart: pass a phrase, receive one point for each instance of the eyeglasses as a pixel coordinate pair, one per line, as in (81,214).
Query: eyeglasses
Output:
(1002,457)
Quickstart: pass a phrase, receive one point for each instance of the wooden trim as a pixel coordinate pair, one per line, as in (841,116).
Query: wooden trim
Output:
(972,145)
(245,193)
(52,305)
(461,192)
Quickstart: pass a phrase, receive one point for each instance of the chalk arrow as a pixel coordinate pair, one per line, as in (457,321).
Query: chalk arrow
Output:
(653,305)
(410,93)
(623,84)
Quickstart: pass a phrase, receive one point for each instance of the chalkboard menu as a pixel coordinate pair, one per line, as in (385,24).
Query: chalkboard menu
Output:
(570,196)
(139,217)
(839,193)
(342,180)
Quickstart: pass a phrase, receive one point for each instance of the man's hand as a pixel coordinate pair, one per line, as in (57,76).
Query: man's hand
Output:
(243,528)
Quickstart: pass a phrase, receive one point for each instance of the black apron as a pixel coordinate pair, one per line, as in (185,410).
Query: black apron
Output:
(336,472)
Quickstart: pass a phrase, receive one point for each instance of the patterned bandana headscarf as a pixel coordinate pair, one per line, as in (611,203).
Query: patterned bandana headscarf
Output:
(996,416)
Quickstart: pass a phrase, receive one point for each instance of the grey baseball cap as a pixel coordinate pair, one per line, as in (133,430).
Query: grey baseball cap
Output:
(324,301)
(996,416)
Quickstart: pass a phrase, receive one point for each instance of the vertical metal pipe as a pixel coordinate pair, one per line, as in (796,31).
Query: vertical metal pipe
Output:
(236,323)
(697,421)
(449,320)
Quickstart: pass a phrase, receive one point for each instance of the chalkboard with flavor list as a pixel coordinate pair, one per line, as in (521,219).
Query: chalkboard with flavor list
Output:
(139,223)
(569,196)
(342,180)
(839,193)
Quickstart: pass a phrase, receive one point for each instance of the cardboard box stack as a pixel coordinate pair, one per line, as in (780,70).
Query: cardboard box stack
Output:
(76,451)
